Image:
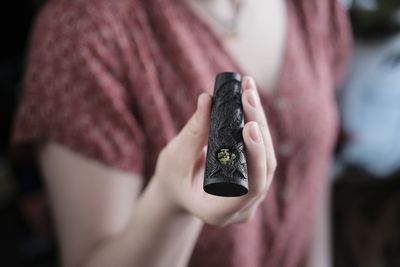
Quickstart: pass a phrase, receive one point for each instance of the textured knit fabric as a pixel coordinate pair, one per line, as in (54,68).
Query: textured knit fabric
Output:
(115,80)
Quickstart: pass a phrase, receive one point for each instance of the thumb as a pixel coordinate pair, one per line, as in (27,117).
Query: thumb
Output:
(191,140)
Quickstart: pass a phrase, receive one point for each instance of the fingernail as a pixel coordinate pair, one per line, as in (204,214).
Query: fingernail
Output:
(251,98)
(255,133)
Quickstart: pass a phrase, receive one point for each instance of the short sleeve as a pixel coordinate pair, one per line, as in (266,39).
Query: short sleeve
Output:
(74,92)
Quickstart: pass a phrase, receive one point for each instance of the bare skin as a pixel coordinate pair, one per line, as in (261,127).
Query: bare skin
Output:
(261,35)
(102,218)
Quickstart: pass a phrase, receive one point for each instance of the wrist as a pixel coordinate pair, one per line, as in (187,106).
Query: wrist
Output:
(168,209)
(160,195)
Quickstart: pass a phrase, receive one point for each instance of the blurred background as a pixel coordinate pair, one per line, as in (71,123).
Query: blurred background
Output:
(365,186)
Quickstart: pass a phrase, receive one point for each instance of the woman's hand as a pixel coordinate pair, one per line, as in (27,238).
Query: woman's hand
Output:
(180,166)
(159,226)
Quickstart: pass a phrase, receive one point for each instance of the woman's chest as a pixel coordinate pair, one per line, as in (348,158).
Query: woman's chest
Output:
(185,57)
(253,34)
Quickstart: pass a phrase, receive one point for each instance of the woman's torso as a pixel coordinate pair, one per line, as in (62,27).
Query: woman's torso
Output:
(165,56)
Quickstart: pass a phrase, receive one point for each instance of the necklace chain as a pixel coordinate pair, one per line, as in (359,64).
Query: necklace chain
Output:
(229,26)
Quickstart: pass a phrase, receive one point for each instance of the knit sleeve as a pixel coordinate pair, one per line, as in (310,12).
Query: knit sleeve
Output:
(74,92)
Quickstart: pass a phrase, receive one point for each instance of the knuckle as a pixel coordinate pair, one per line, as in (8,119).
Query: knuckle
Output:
(259,191)
(247,217)
(243,220)
(221,222)
(274,165)
(263,195)
(221,218)
(261,162)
